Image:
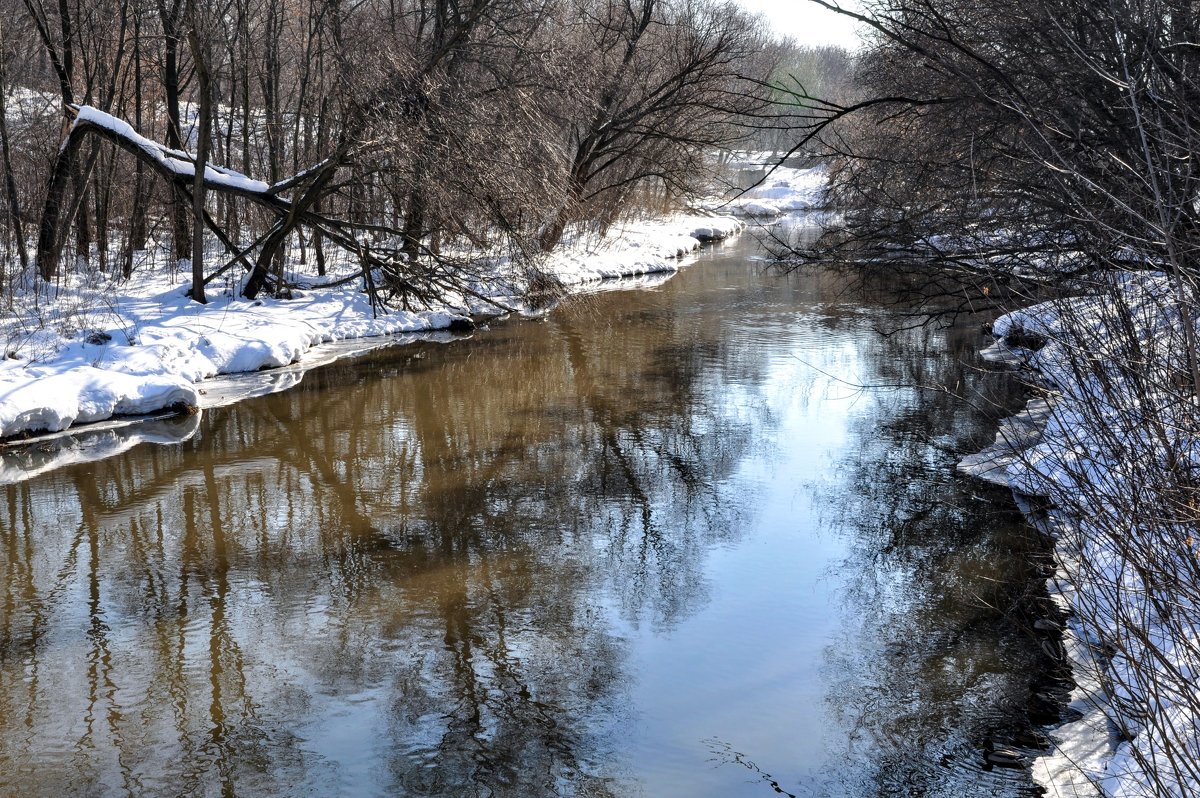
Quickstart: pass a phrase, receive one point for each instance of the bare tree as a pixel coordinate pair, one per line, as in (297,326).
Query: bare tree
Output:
(402,133)
(665,83)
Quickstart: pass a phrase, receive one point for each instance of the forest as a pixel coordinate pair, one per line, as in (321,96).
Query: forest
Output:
(396,135)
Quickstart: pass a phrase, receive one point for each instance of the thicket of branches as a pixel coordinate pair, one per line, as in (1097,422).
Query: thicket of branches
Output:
(1009,133)
(1049,149)
(395,132)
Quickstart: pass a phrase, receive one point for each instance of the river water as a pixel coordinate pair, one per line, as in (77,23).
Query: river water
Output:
(659,542)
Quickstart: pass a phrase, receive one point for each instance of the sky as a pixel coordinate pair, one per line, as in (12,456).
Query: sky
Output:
(807,22)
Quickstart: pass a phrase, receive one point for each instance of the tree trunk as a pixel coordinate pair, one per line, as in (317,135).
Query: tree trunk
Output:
(102,198)
(552,234)
(136,239)
(203,139)
(48,252)
(414,224)
(83,233)
(272,66)
(10,185)
(180,232)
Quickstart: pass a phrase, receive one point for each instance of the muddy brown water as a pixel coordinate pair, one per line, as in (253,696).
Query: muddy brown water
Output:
(657,543)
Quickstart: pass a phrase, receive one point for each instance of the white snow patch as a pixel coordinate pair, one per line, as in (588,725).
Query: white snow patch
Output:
(784,190)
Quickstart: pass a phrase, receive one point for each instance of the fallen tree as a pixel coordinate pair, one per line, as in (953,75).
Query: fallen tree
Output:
(388,273)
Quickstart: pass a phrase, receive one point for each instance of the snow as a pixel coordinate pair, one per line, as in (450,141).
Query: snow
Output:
(1084,747)
(1016,435)
(1087,449)
(180,163)
(52,399)
(783,190)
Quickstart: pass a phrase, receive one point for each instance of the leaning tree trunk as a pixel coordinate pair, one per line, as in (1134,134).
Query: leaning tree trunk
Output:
(272,248)
(552,234)
(49,251)
(291,214)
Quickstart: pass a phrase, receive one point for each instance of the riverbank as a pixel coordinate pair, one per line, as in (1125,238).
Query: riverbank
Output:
(1110,449)
(93,346)
(85,350)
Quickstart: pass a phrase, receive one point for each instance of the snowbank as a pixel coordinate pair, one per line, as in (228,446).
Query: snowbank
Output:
(1104,448)
(109,349)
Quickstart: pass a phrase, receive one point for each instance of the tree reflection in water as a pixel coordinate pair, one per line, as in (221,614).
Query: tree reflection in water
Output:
(942,584)
(426,572)
(390,580)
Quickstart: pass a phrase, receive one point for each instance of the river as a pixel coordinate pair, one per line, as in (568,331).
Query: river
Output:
(703,539)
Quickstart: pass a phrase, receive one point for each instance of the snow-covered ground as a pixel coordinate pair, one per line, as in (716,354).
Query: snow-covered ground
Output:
(783,190)
(1113,448)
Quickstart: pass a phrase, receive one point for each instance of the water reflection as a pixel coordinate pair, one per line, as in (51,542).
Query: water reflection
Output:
(941,585)
(490,569)
(98,442)
(383,581)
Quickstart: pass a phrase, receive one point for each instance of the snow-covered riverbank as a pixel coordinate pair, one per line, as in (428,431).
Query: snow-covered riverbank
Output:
(93,351)
(91,348)
(1109,448)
